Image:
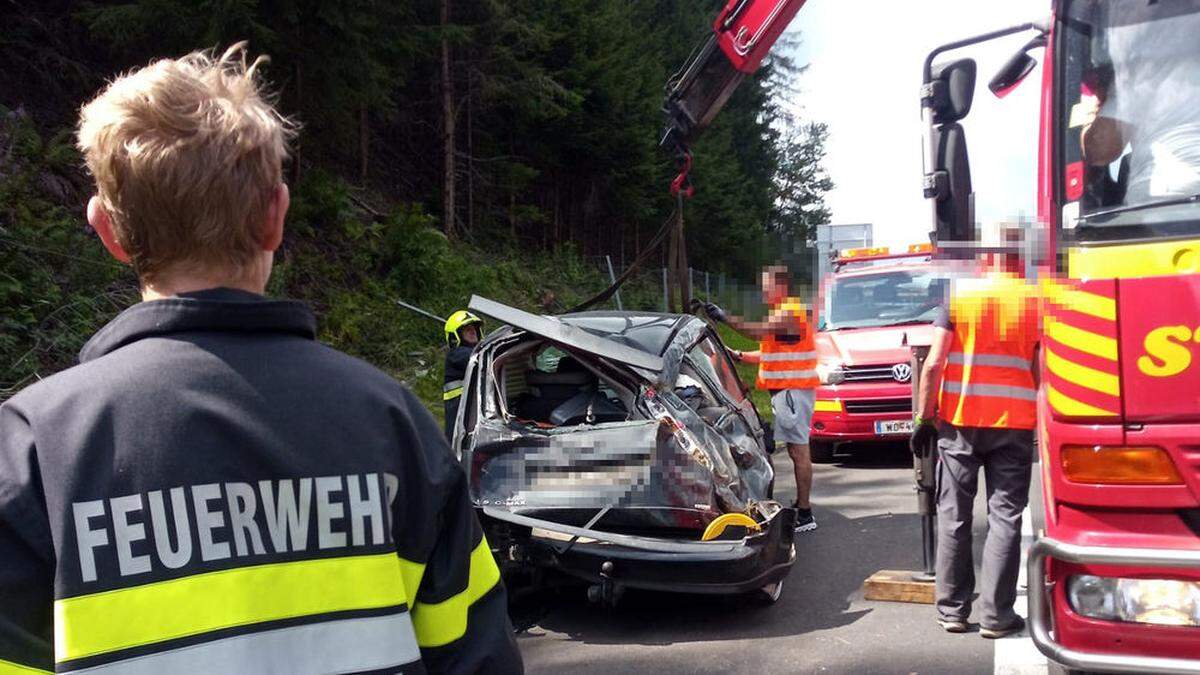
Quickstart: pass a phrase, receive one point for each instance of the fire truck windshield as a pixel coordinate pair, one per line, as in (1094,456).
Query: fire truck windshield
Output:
(1130,117)
(887,298)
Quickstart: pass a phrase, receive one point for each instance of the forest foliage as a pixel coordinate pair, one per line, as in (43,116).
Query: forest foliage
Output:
(448,147)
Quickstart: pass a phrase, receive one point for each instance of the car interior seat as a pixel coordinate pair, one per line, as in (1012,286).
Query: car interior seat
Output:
(547,391)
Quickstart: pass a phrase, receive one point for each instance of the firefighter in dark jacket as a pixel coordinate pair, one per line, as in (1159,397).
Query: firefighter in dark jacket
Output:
(462,334)
(210,489)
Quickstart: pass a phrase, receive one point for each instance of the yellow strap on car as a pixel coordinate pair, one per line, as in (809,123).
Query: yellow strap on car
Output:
(717,527)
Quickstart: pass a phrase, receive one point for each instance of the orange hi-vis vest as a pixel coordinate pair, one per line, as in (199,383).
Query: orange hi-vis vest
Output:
(789,361)
(988,380)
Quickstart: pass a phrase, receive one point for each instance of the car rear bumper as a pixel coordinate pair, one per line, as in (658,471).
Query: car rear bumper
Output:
(712,567)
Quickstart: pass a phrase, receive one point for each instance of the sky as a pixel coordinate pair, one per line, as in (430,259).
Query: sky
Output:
(863,79)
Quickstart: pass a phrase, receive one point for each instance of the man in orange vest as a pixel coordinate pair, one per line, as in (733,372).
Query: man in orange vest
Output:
(981,379)
(787,368)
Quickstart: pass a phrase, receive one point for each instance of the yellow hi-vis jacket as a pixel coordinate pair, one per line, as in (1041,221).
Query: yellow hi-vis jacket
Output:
(789,359)
(988,381)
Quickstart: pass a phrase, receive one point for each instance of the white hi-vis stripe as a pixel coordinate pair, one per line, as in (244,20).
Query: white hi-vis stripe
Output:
(452,385)
(788,356)
(786,374)
(348,645)
(996,360)
(994,390)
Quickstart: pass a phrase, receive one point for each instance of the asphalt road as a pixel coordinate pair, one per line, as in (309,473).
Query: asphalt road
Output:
(866,511)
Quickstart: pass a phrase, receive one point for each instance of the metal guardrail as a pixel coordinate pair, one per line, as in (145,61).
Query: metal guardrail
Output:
(1039,607)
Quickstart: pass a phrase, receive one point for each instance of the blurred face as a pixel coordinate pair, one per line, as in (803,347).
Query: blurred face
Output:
(774,285)
(470,334)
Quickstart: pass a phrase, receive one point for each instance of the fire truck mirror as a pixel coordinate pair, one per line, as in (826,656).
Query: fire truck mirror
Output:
(1016,69)
(952,90)
(954,218)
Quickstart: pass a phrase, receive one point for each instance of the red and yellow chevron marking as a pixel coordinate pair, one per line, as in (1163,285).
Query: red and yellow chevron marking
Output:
(1079,347)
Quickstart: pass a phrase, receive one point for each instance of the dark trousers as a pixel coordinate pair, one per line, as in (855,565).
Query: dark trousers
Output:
(450,406)
(1006,456)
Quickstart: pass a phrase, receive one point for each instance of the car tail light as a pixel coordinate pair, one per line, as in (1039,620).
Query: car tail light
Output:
(1119,465)
(478,459)
(686,440)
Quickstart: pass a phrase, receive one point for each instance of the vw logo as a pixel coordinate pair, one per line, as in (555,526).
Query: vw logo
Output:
(902,372)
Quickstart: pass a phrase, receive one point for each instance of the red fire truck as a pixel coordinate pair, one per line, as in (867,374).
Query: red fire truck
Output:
(1114,577)
(875,303)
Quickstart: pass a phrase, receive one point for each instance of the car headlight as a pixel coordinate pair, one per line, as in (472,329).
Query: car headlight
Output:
(831,373)
(1165,602)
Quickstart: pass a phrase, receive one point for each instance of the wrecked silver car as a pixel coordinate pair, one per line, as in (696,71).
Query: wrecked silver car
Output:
(620,449)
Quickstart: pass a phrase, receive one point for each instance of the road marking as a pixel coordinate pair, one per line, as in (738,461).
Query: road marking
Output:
(1016,654)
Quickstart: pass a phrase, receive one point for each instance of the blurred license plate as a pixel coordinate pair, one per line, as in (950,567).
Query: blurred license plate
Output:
(894,427)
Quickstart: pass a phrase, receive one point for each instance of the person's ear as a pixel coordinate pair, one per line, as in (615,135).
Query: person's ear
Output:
(101,222)
(271,235)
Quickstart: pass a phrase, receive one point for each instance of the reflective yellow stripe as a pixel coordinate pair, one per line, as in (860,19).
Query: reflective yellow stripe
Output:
(1068,406)
(453,393)
(411,572)
(446,621)
(1082,375)
(823,405)
(1085,341)
(10,668)
(1081,301)
(129,617)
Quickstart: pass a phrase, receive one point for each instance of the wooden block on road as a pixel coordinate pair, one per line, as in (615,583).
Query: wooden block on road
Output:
(897,586)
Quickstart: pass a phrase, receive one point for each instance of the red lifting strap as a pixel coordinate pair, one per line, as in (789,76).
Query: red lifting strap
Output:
(681,182)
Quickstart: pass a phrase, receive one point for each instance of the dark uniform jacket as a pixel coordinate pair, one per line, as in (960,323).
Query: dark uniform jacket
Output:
(211,490)
(456,369)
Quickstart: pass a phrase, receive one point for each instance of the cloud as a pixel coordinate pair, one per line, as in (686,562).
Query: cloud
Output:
(864,79)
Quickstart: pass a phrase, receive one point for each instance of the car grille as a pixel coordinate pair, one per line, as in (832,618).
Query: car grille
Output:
(868,373)
(878,405)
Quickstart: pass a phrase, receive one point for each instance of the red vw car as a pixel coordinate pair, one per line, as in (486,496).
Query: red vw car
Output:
(874,304)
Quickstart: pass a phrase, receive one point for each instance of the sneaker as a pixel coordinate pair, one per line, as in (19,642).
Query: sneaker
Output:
(996,633)
(954,625)
(805,521)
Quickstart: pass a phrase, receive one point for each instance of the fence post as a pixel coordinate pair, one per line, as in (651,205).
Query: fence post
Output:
(691,288)
(666,293)
(612,277)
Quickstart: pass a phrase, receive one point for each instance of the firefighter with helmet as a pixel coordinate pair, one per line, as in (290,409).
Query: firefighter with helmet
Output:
(978,402)
(463,330)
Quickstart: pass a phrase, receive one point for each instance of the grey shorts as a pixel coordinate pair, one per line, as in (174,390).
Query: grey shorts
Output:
(793,410)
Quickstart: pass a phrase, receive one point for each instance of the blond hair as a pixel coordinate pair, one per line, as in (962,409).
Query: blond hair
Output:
(186,154)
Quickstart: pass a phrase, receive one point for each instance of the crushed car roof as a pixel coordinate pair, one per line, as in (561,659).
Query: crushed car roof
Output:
(608,335)
(648,331)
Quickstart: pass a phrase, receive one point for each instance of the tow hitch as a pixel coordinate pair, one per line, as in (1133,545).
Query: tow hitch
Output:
(606,593)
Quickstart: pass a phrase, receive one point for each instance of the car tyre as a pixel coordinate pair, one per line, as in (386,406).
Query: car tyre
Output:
(821,451)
